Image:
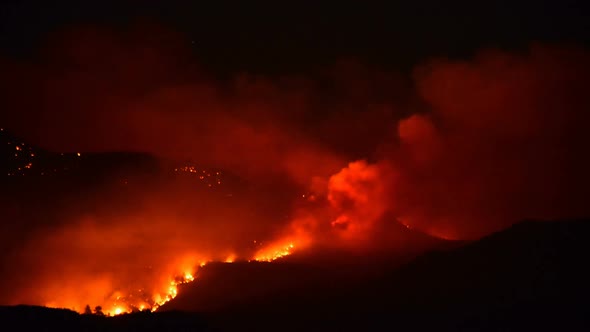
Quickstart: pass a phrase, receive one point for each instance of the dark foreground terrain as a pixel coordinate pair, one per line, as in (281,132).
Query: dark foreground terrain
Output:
(532,276)
(29,318)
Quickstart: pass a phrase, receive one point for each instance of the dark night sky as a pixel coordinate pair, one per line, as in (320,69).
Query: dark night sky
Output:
(283,36)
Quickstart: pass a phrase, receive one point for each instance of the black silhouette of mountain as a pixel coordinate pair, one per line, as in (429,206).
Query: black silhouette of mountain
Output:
(529,277)
(31,318)
(222,286)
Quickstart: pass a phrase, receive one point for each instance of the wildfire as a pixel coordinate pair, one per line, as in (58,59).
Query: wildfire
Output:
(274,252)
(231,258)
(133,302)
(127,304)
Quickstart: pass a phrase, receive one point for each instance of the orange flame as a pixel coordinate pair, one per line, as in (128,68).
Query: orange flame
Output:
(274,252)
(121,303)
(230,259)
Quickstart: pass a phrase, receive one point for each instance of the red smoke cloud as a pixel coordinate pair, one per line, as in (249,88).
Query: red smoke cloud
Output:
(502,142)
(359,194)
(475,146)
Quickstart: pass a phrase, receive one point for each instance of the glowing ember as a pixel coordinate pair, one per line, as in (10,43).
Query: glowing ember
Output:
(274,252)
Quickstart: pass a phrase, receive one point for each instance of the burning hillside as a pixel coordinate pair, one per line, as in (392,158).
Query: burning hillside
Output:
(127,253)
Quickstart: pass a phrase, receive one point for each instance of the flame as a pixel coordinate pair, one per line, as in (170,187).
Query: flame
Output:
(125,303)
(172,291)
(230,259)
(274,252)
(118,295)
(268,254)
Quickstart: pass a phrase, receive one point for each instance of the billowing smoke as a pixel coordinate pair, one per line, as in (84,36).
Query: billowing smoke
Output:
(498,139)
(467,148)
(502,141)
(358,193)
